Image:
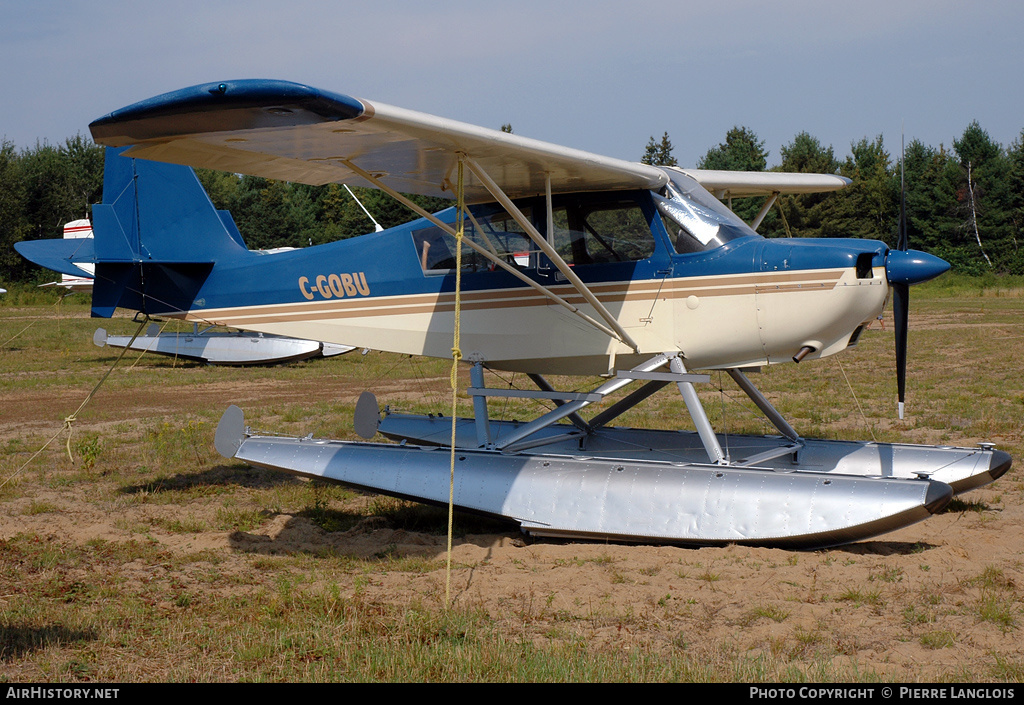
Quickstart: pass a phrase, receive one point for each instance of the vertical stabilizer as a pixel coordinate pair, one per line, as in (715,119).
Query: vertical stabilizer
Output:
(157,237)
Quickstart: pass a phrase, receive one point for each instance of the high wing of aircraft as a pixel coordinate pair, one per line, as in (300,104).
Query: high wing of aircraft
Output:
(567,263)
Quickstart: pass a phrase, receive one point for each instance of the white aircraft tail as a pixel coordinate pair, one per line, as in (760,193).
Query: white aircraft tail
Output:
(76,230)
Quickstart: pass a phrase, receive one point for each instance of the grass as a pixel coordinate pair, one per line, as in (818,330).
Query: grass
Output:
(772,612)
(205,570)
(308,628)
(940,639)
(859,597)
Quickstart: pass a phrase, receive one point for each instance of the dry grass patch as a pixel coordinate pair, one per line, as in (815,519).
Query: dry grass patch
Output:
(149,558)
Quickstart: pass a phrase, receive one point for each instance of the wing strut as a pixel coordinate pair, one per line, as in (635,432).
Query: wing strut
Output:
(768,203)
(551,253)
(498,261)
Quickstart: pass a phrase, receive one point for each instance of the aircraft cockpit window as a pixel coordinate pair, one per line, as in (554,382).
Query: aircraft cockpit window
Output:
(601,233)
(495,231)
(432,249)
(696,220)
(682,241)
(586,232)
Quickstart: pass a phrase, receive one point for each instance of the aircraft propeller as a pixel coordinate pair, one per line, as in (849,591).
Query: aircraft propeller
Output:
(904,267)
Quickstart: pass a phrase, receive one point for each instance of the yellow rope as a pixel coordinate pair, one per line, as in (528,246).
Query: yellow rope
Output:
(34,321)
(863,416)
(74,417)
(146,350)
(16,335)
(456,356)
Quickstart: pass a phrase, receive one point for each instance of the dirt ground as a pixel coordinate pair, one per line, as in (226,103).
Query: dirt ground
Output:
(940,600)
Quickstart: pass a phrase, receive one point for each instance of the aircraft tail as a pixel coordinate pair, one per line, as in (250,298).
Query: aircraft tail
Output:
(78,230)
(156,237)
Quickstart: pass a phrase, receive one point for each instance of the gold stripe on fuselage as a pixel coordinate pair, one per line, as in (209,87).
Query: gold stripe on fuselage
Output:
(609,293)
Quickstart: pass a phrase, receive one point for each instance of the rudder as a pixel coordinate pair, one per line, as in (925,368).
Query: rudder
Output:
(157,237)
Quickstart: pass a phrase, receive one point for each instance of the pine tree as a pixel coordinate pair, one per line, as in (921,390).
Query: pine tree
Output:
(803,215)
(984,212)
(741,151)
(12,214)
(659,153)
(869,207)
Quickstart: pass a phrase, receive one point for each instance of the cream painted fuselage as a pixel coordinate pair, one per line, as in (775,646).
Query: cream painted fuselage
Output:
(678,273)
(719,321)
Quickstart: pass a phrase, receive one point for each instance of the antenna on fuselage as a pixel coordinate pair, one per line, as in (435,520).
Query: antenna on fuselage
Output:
(377,226)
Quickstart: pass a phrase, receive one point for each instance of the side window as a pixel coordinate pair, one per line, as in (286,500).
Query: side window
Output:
(432,249)
(500,234)
(601,233)
(496,232)
(619,234)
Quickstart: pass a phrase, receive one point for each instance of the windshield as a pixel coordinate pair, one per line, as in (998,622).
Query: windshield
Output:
(696,220)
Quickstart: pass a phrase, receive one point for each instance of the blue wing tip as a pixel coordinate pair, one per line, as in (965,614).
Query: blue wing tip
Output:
(224,105)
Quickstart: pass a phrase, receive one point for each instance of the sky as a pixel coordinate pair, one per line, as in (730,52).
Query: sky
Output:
(602,76)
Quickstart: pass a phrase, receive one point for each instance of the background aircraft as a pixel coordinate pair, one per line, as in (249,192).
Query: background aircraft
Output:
(214,347)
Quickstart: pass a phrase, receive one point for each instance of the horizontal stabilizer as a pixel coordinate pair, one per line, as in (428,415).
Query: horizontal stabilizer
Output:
(58,254)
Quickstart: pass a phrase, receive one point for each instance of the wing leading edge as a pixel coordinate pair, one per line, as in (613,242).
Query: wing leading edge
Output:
(737,184)
(292,132)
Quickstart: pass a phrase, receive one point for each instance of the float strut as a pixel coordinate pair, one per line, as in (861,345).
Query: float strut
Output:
(764,405)
(483,423)
(700,418)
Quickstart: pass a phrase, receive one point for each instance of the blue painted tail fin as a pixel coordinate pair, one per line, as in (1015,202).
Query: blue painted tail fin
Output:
(157,237)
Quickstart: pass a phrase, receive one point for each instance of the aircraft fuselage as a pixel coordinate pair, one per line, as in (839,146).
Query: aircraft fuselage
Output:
(740,302)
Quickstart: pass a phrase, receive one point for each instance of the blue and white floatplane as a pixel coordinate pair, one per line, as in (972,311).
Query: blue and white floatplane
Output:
(568,263)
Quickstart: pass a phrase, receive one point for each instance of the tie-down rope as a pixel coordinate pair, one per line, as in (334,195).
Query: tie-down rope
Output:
(456,356)
(69,420)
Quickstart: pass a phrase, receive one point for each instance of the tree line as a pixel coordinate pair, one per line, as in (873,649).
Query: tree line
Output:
(964,204)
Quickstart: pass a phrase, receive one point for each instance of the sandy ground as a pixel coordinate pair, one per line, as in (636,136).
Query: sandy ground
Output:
(938,600)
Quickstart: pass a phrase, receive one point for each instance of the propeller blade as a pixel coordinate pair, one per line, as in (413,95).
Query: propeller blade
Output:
(901,289)
(903,268)
(901,315)
(903,242)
